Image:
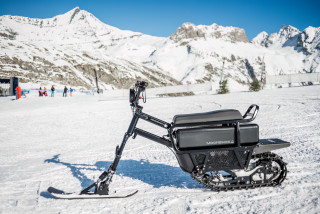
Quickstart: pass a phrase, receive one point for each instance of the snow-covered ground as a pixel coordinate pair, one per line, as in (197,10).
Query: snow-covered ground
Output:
(67,142)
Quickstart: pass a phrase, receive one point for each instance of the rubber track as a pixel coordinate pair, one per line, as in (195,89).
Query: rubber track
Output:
(231,187)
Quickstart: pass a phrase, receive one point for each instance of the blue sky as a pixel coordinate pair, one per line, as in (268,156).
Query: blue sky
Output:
(163,17)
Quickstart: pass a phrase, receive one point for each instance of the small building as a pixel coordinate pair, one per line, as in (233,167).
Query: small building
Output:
(8,86)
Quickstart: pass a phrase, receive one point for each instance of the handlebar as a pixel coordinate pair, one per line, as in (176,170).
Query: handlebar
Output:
(134,96)
(141,84)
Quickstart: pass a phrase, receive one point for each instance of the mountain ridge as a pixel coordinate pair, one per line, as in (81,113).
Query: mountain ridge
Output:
(67,48)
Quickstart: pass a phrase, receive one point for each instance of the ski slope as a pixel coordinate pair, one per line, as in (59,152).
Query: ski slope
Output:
(68,142)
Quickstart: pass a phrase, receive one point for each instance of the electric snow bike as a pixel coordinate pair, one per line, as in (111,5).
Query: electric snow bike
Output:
(220,149)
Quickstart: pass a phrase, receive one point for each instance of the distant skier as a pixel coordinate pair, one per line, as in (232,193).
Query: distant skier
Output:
(45,91)
(65,90)
(40,92)
(71,90)
(52,91)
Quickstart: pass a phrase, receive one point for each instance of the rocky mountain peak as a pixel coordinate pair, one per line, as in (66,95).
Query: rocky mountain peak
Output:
(187,31)
(288,31)
(69,27)
(286,36)
(190,31)
(70,17)
(74,16)
(260,38)
(309,40)
(73,13)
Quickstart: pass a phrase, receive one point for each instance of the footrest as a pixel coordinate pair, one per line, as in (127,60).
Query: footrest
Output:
(266,145)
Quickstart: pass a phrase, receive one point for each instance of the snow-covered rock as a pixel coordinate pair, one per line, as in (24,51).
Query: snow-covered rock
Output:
(260,38)
(309,40)
(191,31)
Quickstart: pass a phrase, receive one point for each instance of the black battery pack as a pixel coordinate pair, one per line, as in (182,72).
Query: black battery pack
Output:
(193,138)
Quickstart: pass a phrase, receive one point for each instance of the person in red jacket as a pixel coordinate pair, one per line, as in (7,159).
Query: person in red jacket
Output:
(18,92)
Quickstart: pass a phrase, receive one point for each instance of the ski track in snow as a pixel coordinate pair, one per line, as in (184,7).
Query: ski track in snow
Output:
(67,142)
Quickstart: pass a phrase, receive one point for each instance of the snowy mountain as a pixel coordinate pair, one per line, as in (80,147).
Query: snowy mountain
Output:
(307,41)
(287,36)
(68,49)
(260,39)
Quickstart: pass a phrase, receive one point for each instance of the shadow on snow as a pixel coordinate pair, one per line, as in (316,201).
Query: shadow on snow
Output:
(155,174)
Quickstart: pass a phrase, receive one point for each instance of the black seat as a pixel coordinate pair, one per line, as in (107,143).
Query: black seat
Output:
(212,116)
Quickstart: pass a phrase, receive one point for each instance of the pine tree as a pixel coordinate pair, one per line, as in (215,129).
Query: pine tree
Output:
(223,87)
(255,85)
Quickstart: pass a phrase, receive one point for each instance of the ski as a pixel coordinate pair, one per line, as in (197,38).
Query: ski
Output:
(59,194)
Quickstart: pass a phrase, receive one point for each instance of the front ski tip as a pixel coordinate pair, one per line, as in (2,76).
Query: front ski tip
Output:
(55,191)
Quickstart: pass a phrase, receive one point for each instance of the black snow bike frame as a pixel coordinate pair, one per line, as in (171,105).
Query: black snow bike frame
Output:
(102,184)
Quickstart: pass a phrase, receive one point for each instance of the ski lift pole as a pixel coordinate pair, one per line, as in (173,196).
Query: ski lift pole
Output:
(221,72)
(95,72)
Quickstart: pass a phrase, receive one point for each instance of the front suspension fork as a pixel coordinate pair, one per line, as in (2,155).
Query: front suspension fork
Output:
(102,184)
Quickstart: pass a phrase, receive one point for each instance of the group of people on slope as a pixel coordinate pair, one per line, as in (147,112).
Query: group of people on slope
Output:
(65,91)
(44,91)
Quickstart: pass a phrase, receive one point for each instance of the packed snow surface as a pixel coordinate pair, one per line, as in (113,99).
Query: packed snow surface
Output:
(67,142)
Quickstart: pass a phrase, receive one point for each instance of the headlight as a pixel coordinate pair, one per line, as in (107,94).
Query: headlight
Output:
(132,95)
